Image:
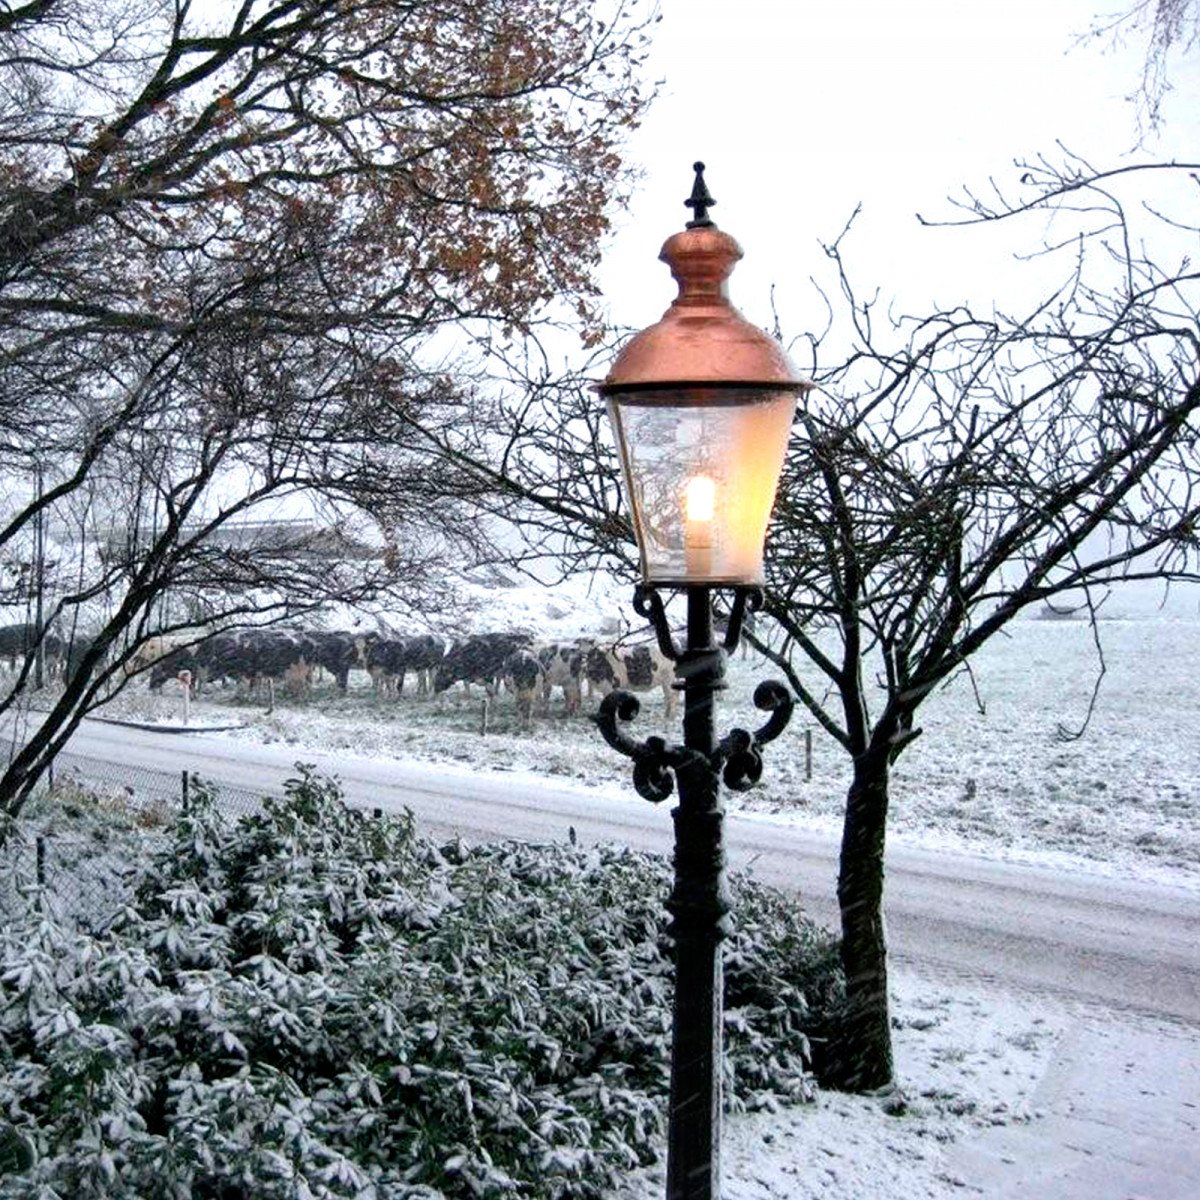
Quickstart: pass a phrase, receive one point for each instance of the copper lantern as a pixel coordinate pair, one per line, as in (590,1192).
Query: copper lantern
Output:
(701,405)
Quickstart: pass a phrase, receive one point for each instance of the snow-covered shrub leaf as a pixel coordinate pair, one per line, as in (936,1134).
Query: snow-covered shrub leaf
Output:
(316,1003)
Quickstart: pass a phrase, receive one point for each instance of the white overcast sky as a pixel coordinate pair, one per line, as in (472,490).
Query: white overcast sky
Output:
(804,108)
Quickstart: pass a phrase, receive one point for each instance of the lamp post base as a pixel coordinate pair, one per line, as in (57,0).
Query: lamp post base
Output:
(699,906)
(699,903)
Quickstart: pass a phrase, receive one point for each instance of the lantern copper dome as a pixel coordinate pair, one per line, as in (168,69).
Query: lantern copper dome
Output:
(701,405)
(701,339)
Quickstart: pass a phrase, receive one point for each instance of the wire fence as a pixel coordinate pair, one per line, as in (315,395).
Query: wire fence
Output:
(144,788)
(76,853)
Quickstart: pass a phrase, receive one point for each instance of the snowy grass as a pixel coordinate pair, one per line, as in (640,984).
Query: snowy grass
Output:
(1127,789)
(1125,793)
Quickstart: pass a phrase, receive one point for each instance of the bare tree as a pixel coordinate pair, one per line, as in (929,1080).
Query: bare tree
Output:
(230,239)
(949,472)
(1165,26)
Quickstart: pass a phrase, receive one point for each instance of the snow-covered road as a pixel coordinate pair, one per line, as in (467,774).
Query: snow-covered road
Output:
(1124,943)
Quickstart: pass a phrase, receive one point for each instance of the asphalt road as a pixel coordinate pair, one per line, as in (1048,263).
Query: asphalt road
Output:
(1118,943)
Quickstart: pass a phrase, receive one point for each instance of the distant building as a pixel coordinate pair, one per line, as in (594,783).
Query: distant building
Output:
(292,539)
(295,539)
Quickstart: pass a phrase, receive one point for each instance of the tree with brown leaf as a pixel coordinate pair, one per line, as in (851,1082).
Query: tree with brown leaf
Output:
(231,238)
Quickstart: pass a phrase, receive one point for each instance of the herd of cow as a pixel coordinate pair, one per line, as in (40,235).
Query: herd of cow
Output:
(17,642)
(527,669)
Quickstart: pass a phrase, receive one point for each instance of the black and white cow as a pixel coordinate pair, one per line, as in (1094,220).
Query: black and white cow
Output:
(274,656)
(386,661)
(219,658)
(478,658)
(562,667)
(425,654)
(223,656)
(389,660)
(523,673)
(256,659)
(336,652)
(632,669)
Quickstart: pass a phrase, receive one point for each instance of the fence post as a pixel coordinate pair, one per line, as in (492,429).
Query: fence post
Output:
(483,717)
(184,793)
(50,774)
(808,755)
(41,871)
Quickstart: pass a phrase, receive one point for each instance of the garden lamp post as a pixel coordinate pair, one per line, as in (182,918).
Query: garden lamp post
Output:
(701,405)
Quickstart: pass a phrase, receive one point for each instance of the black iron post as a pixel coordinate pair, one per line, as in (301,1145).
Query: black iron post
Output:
(699,903)
(699,907)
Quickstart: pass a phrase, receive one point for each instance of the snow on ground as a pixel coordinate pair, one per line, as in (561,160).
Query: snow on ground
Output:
(1004,1097)
(968,1065)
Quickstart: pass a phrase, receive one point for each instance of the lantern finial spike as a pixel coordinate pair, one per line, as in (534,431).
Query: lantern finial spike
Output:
(699,201)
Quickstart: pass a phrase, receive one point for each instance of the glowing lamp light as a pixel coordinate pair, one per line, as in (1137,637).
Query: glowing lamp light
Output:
(699,507)
(701,405)
(699,499)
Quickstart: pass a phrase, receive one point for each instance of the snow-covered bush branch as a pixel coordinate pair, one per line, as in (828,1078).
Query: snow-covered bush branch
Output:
(314,1002)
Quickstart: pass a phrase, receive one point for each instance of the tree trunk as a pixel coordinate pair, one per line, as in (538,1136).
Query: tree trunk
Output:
(859,1055)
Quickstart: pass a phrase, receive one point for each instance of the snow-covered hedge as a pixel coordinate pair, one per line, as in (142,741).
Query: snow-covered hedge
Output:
(317,1003)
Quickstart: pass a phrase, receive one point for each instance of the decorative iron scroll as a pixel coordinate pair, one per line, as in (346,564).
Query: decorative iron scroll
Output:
(740,752)
(655,761)
(648,603)
(743,598)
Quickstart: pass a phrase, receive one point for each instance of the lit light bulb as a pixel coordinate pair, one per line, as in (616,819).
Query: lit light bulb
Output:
(699,507)
(699,499)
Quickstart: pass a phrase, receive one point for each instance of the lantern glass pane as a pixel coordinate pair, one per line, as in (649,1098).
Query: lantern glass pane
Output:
(701,469)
